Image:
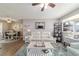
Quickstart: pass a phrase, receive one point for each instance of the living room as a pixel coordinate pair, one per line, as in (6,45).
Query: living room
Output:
(38,29)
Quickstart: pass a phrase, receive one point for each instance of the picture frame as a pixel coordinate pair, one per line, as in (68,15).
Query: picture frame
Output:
(39,25)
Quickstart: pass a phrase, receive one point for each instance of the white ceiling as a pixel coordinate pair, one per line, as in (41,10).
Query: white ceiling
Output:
(27,11)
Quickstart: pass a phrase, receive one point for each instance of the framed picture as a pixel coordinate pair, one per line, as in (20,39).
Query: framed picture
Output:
(39,25)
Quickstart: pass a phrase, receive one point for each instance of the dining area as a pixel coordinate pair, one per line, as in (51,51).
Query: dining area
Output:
(11,35)
(10,30)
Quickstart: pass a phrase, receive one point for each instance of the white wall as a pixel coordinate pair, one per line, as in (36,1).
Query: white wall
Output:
(30,24)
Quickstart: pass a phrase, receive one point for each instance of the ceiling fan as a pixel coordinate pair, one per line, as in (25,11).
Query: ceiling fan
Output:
(44,5)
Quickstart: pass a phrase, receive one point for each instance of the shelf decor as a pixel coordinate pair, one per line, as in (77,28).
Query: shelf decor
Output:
(58,32)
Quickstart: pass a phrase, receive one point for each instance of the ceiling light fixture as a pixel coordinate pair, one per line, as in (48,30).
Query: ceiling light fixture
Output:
(8,20)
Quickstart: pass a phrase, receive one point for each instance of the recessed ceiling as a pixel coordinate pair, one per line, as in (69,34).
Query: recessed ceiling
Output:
(27,11)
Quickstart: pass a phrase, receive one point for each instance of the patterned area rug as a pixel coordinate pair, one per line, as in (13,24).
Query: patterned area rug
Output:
(32,52)
(58,51)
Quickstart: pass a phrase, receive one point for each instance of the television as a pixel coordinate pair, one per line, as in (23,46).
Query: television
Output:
(40,27)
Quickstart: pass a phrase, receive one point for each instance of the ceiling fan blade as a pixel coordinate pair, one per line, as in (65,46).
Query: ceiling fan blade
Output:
(34,4)
(51,5)
(42,9)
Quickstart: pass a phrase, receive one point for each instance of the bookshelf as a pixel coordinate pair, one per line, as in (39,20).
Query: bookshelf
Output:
(58,32)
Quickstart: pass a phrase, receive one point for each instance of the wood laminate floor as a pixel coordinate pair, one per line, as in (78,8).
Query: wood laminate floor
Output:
(9,49)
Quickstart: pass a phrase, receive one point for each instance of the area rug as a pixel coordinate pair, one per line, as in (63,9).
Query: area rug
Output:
(33,52)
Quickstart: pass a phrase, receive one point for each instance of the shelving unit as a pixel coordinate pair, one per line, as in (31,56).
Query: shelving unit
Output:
(58,32)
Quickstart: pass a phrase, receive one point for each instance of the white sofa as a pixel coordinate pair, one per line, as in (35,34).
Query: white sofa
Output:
(41,36)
